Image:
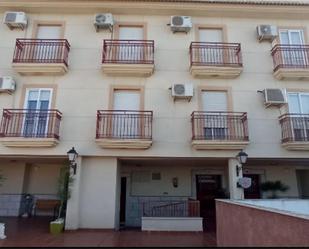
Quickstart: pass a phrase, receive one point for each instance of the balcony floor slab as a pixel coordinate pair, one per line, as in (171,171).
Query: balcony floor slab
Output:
(215,72)
(28,142)
(40,68)
(296,145)
(218,145)
(111,143)
(292,74)
(117,69)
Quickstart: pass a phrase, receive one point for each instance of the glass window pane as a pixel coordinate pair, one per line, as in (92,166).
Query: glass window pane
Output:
(284,37)
(293,103)
(305,103)
(45,95)
(33,94)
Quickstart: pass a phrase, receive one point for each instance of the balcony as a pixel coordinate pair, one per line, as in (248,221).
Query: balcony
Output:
(41,56)
(291,62)
(128,58)
(219,130)
(215,60)
(124,129)
(295,131)
(30,128)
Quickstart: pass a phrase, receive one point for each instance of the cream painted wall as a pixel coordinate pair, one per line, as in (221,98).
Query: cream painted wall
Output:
(43,179)
(85,89)
(14,174)
(98,207)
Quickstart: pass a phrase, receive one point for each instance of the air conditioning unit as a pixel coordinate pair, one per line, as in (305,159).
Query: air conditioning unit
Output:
(266,32)
(7,85)
(181,23)
(15,20)
(182,91)
(274,97)
(103,21)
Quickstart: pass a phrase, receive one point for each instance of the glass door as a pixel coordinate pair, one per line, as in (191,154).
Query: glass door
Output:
(126,123)
(211,54)
(299,104)
(296,55)
(215,124)
(36,116)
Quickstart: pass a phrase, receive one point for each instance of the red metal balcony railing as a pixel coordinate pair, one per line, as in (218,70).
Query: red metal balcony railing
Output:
(215,54)
(119,124)
(128,51)
(41,51)
(294,127)
(230,126)
(190,208)
(30,123)
(290,56)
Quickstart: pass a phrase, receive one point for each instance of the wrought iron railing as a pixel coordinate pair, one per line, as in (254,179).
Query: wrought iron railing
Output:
(128,51)
(215,54)
(30,123)
(231,126)
(190,208)
(290,56)
(294,127)
(124,124)
(41,51)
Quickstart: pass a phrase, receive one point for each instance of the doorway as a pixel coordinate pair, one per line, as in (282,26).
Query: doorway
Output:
(254,191)
(123,194)
(207,190)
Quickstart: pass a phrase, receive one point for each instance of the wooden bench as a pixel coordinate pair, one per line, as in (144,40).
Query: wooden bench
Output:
(47,205)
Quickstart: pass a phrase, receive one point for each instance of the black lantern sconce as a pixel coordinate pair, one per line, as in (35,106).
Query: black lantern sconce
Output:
(175,182)
(72,154)
(242,159)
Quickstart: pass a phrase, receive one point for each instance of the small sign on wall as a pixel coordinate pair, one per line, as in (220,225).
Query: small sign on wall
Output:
(244,182)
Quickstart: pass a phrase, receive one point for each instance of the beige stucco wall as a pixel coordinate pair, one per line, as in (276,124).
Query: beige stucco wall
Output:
(14,177)
(97,193)
(85,89)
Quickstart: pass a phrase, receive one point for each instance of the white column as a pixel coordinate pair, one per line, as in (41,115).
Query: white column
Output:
(235,192)
(72,213)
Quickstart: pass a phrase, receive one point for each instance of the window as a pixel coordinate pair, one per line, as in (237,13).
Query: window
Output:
(293,56)
(36,118)
(299,104)
(215,102)
(126,121)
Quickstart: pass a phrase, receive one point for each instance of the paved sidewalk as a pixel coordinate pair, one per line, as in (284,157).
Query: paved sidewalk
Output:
(34,232)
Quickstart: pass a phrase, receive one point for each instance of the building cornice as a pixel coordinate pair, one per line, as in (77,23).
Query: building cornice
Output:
(212,8)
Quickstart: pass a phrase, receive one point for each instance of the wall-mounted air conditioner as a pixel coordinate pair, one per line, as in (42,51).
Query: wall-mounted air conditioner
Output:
(181,23)
(182,91)
(103,21)
(266,32)
(7,85)
(274,97)
(15,20)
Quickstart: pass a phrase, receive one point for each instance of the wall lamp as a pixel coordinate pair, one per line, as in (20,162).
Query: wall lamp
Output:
(242,159)
(72,154)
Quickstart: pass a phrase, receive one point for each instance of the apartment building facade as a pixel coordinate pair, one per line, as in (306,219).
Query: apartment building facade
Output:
(108,93)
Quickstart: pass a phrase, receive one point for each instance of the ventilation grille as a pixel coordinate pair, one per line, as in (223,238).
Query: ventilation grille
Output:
(10,17)
(274,95)
(179,89)
(177,20)
(100,18)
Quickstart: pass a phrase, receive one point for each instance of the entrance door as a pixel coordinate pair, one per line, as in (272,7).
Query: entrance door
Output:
(254,191)
(216,126)
(292,37)
(50,50)
(36,117)
(126,123)
(131,49)
(212,54)
(207,189)
(123,194)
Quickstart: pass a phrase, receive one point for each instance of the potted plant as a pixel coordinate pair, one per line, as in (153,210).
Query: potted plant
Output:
(64,192)
(273,187)
(2,225)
